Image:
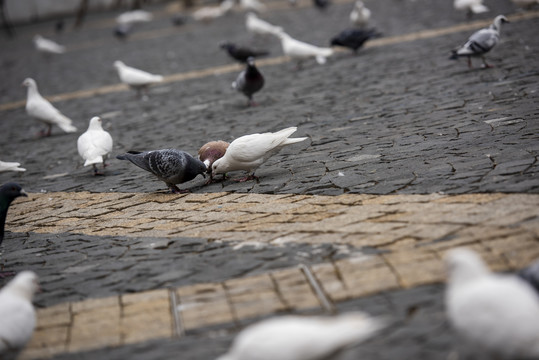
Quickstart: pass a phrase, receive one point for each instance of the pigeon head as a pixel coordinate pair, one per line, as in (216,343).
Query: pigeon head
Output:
(219,166)
(29,82)
(118,64)
(96,123)
(9,191)
(464,264)
(498,21)
(251,61)
(25,285)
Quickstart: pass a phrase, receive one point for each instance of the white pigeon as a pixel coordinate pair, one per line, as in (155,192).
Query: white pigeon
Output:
(299,50)
(250,151)
(209,13)
(481,42)
(134,16)
(470,6)
(253,5)
(10,166)
(40,108)
(360,15)
(47,46)
(95,144)
(498,313)
(302,338)
(257,26)
(17,314)
(135,78)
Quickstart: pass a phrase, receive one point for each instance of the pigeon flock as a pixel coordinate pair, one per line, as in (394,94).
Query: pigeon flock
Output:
(498,313)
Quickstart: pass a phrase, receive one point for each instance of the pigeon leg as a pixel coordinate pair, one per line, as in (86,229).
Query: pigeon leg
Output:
(485,64)
(251,102)
(176,190)
(96,171)
(470,62)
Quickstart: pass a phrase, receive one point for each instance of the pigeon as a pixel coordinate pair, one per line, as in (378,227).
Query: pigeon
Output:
(210,152)
(59,26)
(178,19)
(302,338)
(249,81)
(135,78)
(17,314)
(122,31)
(300,50)
(470,6)
(8,192)
(531,274)
(209,13)
(169,165)
(257,26)
(250,151)
(134,16)
(353,38)
(241,53)
(94,145)
(253,5)
(360,15)
(497,313)
(47,46)
(40,108)
(481,42)
(10,166)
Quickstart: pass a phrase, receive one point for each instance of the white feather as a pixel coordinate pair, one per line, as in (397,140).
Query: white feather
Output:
(302,338)
(95,144)
(17,314)
(253,5)
(48,46)
(300,50)
(475,6)
(134,16)
(135,77)
(40,108)
(257,26)
(10,166)
(497,313)
(360,15)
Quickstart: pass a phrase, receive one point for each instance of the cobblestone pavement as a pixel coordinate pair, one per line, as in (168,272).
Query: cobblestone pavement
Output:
(409,154)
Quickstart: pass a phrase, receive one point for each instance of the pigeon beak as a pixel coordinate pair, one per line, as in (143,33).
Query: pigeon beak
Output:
(23,193)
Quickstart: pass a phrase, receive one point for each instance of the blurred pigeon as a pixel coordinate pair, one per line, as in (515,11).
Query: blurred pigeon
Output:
(253,5)
(135,78)
(59,26)
(470,6)
(531,274)
(249,81)
(497,313)
(302,338)
(8,192)
(300,51)
(250,151)
(47,46)
(94,145)
(210,152)
(353,38)
(321,4)
(40,108)
(178,19)
(360,15)
(526,4)
(122,31)
(257,26)
(241,53)
(10,166)
(17,314)
(209,13)
(481,42)
(134,16)
(169,165)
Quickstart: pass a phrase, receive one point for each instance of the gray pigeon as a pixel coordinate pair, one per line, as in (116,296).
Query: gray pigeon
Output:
(481,42)
(249,81)
(531,274)
(169,165)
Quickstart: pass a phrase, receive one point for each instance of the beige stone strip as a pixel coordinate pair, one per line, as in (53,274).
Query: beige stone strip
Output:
(224,69)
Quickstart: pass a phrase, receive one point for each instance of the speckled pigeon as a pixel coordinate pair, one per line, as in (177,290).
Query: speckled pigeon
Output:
(169,165)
